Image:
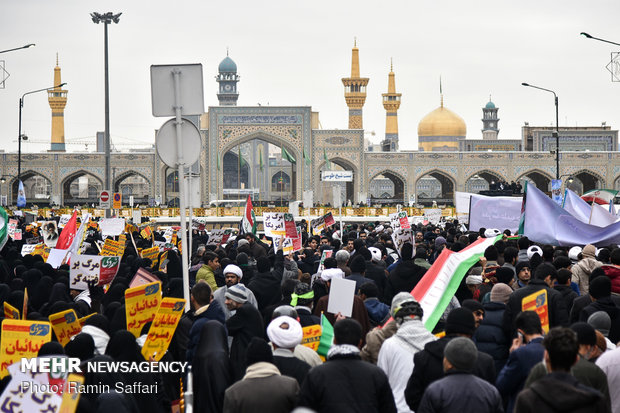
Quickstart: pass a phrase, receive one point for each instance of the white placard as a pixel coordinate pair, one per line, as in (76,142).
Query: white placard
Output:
(137,217)
(112,226)
(28,249)
(433,215)
(273,223)
(341,294)
(64,218)
(337,176)
(56,257)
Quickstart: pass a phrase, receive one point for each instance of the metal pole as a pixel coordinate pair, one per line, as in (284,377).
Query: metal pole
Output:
(181,164)
(107,111)
(557,140)
(19,141)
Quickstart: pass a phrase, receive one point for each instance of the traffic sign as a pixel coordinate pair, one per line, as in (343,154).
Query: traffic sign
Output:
(104,200)
(117,201)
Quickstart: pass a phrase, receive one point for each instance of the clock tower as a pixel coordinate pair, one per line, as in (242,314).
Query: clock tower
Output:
(490,128)
(227,78)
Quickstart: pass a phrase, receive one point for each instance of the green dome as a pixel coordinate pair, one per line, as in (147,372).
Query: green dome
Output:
(490,105)
(227,65)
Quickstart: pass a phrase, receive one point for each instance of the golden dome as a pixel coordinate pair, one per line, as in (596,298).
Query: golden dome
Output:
(442,122)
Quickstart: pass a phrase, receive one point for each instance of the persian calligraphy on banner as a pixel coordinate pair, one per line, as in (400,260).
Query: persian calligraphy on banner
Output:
(311,337)
(111,248)
(65,324)
(150,253)
(433,215)
(273,223)
(92,268)
(164,324)
(141,304)
(21,339)
(403,220)
(400,236)
(219,236)
(538,302)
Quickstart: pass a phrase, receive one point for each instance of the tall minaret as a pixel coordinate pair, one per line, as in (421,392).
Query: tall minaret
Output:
(228,78)
(355,91)
(57,98)
(490,127)
(391,103)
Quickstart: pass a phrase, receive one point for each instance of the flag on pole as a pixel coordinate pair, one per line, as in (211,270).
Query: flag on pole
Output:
(306,157)
(4,227)
(65,239)
(327,163)
(260,159)
(248,222)
(600,196)
(327,336)
(287,156)
(242,161)
(218,163)
(21,195)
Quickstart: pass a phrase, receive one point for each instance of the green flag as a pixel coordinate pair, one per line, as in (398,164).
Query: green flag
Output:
(4,227)
(327,163)
(241,160)
(260,159)
(306,157)
(218,163)
(287,156)
(327,336)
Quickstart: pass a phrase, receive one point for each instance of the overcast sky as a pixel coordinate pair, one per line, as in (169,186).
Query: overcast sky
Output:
(294,53)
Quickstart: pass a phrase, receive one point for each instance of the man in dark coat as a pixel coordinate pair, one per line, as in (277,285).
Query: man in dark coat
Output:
(367,389)
(404,276)
(358,271)
(490,337)
(205,309)
(600,291)
(543,276)
(559,391)
(428,363)
(460,390)
(285,333)
(242,326)
(302,300)
(266,283)
(526,351)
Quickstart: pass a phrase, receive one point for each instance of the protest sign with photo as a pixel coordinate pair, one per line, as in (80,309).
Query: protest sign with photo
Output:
(49,231)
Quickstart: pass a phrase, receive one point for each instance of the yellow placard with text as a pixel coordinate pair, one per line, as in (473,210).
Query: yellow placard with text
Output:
(163,327)
(150,253)
(65,324)
(10,312)
(312,336)
(83,319)
(110,248)
(141,304)
(21,339)
(71,395)
(163,257)
(538,302)
(146,232)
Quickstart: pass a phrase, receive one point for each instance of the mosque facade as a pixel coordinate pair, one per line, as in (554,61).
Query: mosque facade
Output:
(280,153)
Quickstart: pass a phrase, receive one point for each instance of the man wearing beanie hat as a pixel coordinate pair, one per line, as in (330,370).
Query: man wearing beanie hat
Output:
(600,292)
(245,323)
(263,388)
(396,354)
(491,337)
(449,393)
(285,333)
(523,273)
(601,322)
(560,391)
(233,275)
(428,363)
(583,269)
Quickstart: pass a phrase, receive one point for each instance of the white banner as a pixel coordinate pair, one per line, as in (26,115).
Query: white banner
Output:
(433,215)
(337,176)
(461,202)
(112,226)
(500,212)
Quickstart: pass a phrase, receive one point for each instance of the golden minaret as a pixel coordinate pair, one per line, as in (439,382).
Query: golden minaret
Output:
(57,98)
(391,103)
(355,91)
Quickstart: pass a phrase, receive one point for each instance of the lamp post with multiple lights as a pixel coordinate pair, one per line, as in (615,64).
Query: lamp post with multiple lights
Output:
(557,129)
(106,18)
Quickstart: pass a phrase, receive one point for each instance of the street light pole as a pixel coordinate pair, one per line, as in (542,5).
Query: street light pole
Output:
(17,48)
(106,19)
(557,129)
(19,132)
(596,38)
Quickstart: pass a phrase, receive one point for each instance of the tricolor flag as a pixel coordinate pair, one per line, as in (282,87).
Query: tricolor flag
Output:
(248,222)
(437,287)
(600,196)
(4,228)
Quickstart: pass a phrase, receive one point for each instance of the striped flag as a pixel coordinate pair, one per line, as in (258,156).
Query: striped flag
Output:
(248,222)
(4,227)
(600,196)
(437,287)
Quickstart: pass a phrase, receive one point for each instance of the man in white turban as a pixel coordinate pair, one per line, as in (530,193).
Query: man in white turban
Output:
(285,334)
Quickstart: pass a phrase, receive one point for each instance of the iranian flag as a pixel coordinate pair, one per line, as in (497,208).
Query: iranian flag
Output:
(248,222)
(4,228)
(437,287)
(600,196)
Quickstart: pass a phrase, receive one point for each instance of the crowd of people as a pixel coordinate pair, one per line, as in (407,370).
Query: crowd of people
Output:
(250,304)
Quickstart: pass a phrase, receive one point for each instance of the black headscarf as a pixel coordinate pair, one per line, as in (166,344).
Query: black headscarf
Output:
(123,347)
(212,368)
(51,348)
(81,346)
(42,292)
(175,288)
